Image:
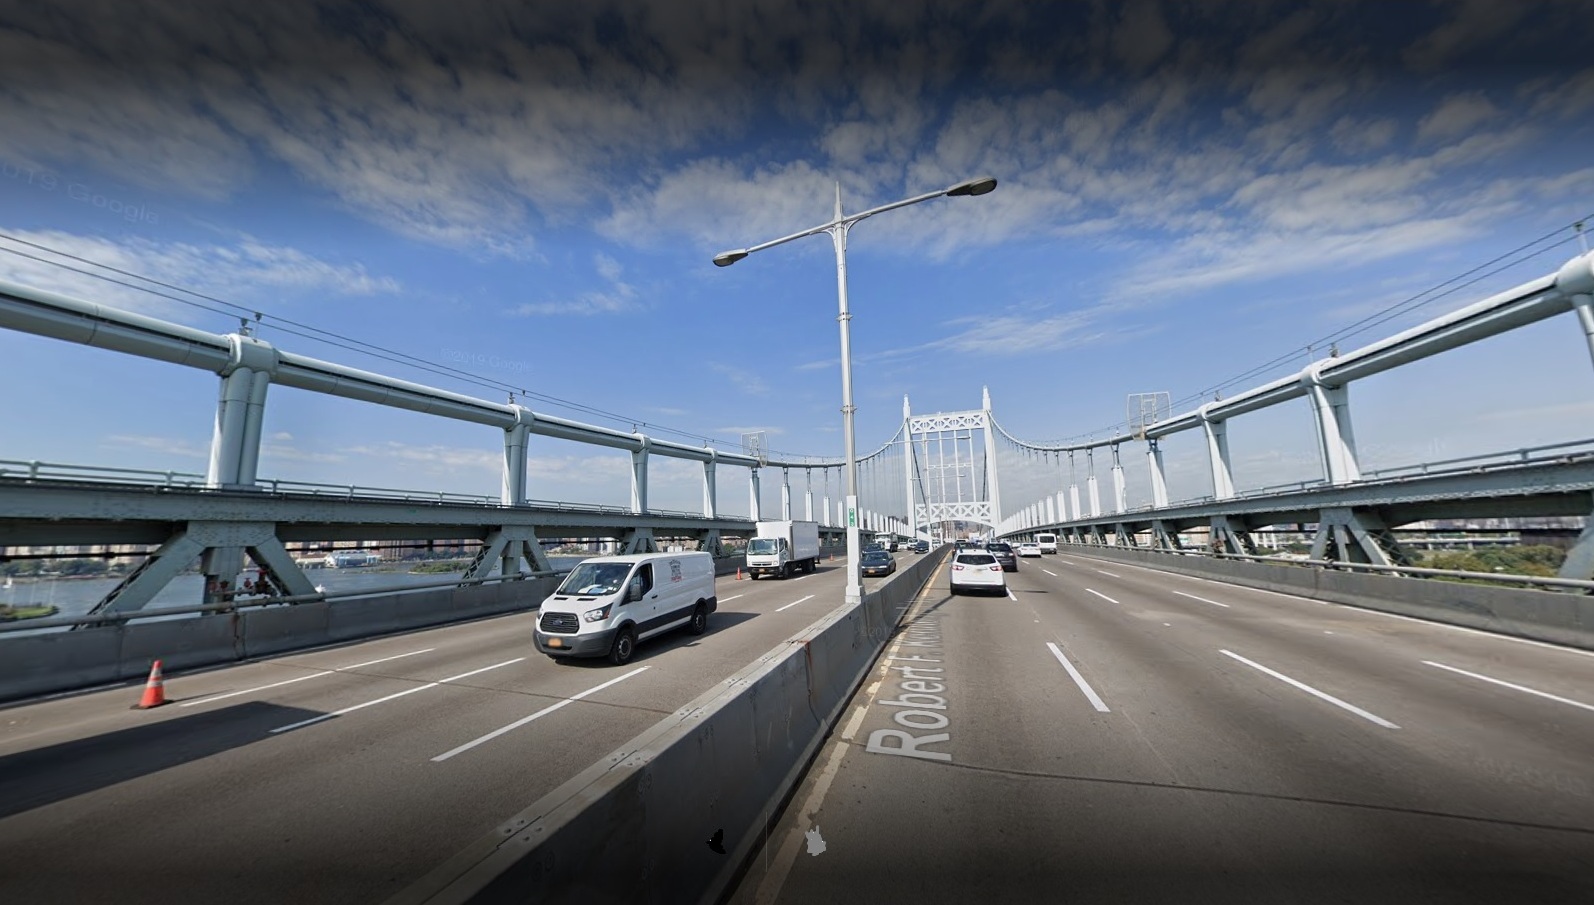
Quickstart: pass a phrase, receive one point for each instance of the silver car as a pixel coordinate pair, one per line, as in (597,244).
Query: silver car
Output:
(977,570)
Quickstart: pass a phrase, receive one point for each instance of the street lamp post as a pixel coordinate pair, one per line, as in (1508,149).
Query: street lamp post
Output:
(837,228)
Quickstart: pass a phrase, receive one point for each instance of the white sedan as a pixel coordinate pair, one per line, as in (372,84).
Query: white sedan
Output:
(1029,549)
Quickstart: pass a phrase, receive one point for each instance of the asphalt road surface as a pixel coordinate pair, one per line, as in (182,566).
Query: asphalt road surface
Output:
(341,775)
(1109,733)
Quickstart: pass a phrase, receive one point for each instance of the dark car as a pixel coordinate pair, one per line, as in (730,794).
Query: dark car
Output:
(874,546)
(921,546)
(1004,554)
(877,562)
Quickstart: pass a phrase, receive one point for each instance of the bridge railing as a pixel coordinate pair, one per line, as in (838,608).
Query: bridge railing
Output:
(35,470)
(1529,455)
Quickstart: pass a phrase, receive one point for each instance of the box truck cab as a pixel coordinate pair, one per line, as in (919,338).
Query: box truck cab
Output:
(609,604)
(783,547)
(1047,542)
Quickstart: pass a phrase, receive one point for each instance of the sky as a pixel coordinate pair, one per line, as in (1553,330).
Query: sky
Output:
(500,198)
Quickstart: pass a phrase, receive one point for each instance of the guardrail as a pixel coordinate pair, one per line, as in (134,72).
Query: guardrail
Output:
(38,471)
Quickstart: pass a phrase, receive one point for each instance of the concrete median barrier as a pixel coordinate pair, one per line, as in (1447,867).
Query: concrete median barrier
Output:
(177,643)
(634,827)
(53,661)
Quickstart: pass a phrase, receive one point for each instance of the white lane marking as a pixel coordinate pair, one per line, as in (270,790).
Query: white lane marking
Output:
(1202,599)
(1168,624)
(1362,609)
(793,603)
(1107,573)
(1101,595)
(1050,572)
(1312,691)
(732,597)
(315,675)
(1079,680)
(801,577)
(328,716)
(1010,594)
(541,713)
(1522,688)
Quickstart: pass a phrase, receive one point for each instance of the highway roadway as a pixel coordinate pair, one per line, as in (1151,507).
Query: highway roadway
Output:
(1109,733)
(343,774)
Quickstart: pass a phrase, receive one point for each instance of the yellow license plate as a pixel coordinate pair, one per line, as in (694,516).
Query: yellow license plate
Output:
(555,642)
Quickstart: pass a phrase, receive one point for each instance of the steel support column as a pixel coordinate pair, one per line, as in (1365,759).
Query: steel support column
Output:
(1120,496)
(1159,481)
(1218,454)
(1090,483)
(1331,407)
(755,510)
(710,489)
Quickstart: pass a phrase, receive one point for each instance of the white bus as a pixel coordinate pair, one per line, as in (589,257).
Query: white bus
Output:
(1047,542)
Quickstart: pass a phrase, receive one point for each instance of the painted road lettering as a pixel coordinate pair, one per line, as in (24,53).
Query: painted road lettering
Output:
(918,692)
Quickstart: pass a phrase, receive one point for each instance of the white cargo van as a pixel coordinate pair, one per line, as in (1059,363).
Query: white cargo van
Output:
(1047,542)
(606,605)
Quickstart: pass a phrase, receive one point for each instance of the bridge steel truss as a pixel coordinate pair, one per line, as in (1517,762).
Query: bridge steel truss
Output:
(984,502)
(1353,515)
(248,367)
(183,523)
(1353,523)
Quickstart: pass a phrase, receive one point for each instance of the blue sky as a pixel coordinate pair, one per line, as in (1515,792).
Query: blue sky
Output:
(535,197)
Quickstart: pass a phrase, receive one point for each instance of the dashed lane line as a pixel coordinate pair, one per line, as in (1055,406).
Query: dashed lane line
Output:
(793,603)
(1101,595)
(1312,691)
(1202,599)
(383,700)
(539,714)
(314,675)
(1095,700)
(1512,686)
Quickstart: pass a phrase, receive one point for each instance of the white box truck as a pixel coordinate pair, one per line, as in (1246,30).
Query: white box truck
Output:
(609,603)
(781,548)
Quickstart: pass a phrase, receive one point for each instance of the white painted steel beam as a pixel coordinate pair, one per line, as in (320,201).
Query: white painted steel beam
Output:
(1218,454)
(1159,481)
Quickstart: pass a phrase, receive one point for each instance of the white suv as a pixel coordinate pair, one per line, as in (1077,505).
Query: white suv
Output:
(973,569)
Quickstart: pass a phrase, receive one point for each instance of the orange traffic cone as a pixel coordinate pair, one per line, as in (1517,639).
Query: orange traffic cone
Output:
(154,689)
(738,573)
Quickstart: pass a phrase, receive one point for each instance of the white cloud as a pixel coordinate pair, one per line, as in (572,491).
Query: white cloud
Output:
(173,446)
(1456,116)
(619,297)
(249,273)
(744,380)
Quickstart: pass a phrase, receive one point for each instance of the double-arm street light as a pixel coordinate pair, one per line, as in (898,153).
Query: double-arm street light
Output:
(838,228)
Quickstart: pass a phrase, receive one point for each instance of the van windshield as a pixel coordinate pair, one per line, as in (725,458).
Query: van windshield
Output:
(764,545)
(595,578)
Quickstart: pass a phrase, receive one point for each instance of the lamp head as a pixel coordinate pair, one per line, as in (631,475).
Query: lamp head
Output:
(980,186)
(727,258)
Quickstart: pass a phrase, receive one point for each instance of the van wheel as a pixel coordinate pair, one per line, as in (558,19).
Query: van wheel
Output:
(624,647)
(699,623)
